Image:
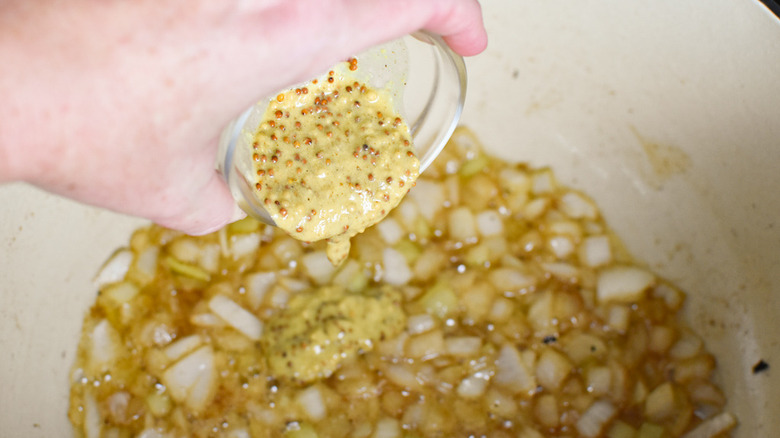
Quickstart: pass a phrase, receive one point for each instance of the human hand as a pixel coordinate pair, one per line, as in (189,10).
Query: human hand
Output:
(120,104)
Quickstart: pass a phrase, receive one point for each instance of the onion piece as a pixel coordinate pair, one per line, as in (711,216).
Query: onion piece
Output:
(236,316)
(512,373)
(624,284)
(440,300)
(182,346)
(257,284)
(462,346)
(474,385)
(318,267)
(146,265)
(561,246)
(403,376)
(397,272)
(151,433)
(511,280)
(104,346)
(93,422)
(239,433)
(428,196)
(192,380)
(489,223)
(686,347)
(120,293)
(713,427)
(206,320)
(595,251)
(310,399)
(390,230)
(578,206)
(115,268)
(621,430)
(552,368)
(661,403)
(543,181)
(426,346)
(462,225)
(244,244)
(387,428)
(595,418)
(546,410)
(416,324)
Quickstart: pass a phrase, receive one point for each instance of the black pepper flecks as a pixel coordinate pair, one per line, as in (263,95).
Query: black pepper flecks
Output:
(760,367)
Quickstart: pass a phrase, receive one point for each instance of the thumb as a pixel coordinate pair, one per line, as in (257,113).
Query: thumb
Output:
(210,209)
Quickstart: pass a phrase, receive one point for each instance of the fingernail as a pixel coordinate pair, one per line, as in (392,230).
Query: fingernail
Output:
(238,214)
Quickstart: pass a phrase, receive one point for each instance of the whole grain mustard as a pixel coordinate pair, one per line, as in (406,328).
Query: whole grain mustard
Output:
(332,158)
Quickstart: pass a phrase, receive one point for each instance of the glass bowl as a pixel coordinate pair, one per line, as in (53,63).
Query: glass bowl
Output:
(426,79)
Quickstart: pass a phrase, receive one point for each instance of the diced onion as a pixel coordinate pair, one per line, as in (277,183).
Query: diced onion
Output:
(564,271)
(474,385)
(595,418)
(546,410)
(257,284)
(402,376)
(239,433)
(421,323)
(489,223)
(623,284)
(650,430)
(511,280)
(621,430)
(428,196)
(529,432)
(561,246)
(236,316)
(387,428)
(209,257)
(462,345)
(543,181)
(93,422)
(192,380)
(390,230)
(397,271)
(151,433)
(713,427)
(440,300)
(595,251)
(552,368)
(146,264)
(318,267)
(121,293)
(577,206)
(104,346)
(512,374)
(206,320)
(310,399)
(619,317)
(535,208)
(462,226)
(686,347)
(185,249)
(426,345)
(661,404)
(115,268)
(244,244)
(182,346)
(599,380)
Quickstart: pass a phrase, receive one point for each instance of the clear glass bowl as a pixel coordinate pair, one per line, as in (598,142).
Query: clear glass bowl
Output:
(428,84)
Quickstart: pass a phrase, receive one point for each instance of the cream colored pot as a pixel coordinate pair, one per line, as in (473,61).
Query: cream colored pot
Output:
(665,111)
